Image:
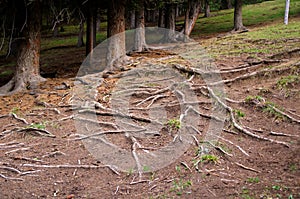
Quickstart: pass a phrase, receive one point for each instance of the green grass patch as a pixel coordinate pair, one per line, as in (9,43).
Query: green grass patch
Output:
(270,39)
(286,81)
(253,180)
(48,43)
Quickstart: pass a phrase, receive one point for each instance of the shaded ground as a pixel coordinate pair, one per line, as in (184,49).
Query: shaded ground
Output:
(238,166)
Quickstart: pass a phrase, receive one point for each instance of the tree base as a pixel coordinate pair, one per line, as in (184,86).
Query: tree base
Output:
(239,30)
(19,84)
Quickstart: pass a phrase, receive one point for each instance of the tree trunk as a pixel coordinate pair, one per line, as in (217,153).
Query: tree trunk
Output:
(98,23)
(170,22)
(161,18)
(27,74)
(55,31)
(139,36)
(116,33)
(191,15)
(132,19)
(238,20)
(90,31)
(80,42)
(207,9)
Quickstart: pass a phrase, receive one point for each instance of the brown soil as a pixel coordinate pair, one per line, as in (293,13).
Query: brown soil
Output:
(270,170)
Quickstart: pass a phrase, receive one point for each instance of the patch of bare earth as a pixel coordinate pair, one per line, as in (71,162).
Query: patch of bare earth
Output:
(256,155)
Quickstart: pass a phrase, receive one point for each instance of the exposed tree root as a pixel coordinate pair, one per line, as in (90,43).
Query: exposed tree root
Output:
(242,77)
(116,114)
(247,168)
(70,166)
(284,114)
(10,178)
(237,146)
(239,127)
(15,117)
(20,173)
(42,132)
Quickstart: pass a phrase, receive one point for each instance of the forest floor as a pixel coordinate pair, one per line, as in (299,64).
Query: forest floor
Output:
(256,153)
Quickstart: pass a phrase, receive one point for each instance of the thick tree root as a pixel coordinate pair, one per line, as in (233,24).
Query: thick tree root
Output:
(239,127)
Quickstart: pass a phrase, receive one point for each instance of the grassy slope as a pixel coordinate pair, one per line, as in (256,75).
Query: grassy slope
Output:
(256,14)
(269,39)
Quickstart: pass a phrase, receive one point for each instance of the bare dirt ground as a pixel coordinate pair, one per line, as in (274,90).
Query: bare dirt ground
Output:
(255,156)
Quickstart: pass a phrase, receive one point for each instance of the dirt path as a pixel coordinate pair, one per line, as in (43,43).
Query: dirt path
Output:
(52,142)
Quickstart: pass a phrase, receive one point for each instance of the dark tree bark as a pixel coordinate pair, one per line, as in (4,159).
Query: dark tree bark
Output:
(116,33)
(191,15)
(80,42)
(132,19)
(207,8)
(90,31)
(27,73)
(139,36)
(238,20)
(170,21)
(98,23)
(226,4)
(161,18)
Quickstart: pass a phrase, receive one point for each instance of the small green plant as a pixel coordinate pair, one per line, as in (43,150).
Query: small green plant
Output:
(177,168)
(253,180)
(293,167)
(179,186)
(174,123)
(37,125)
(276,187)
(254,99)
(246,194)
(286,81)
(269,108)
(291,197)
(239,113)
(209,158)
